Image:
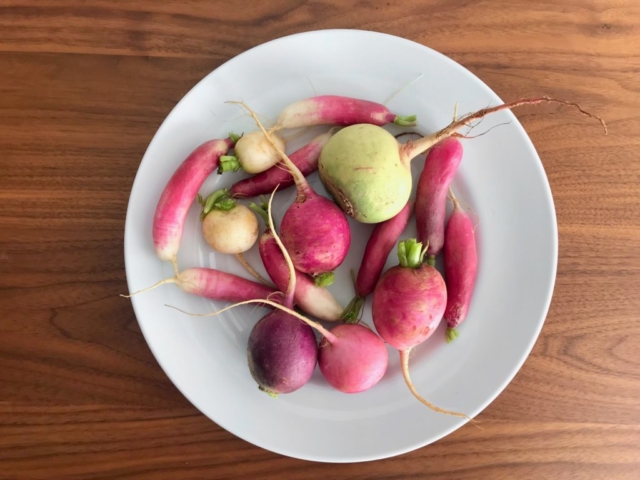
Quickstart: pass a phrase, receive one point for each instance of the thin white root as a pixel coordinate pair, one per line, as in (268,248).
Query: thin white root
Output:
(247,266)
(174,262)
(161,282)
(291,287)
(397,92)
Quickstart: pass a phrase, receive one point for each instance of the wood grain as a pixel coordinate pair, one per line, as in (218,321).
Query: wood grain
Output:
(83,87)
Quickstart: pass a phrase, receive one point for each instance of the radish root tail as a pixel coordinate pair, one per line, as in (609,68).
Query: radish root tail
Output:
(247,266)
(152,287)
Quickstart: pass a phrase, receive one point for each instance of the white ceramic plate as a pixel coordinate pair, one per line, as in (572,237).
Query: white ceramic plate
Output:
(501,177)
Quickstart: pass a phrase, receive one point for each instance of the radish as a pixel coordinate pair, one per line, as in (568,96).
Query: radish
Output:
(336,110)
(431,198)
(254,153)
(214,284)
(314,230)
(306,159)
(382,240)
(408,303)
(179,193)
(460,267)
(227,226)
(368,172)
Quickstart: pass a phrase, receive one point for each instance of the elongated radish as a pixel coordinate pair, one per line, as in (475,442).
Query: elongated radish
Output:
(408,304)
(368,172)
(313,229)
(306,159)
(460,267)
(382,240)
(228,227)
(336,110)
(217,285)
(431,198)
(253,153)
(179,194)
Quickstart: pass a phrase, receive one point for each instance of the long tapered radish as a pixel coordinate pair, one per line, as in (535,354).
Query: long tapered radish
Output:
(382,240)
(306,159)
(179,194)
(431,198)
(215,284)
(408,304)
(368,172)
(337,110)
(460,267)
(314,230)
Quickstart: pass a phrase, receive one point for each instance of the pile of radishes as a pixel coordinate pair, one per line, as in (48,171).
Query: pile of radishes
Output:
(367,171)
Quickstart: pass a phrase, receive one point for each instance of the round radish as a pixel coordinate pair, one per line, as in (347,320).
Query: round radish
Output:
(254,153)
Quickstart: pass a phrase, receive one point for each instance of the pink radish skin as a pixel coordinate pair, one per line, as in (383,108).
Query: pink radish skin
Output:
(460,268)
(408,304)
(314,300)
(306,159)
(337,110)
(431,198)
(179,194)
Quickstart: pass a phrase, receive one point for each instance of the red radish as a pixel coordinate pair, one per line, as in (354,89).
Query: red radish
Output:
(253,153)
(306,159)
(460,267)
(369,173)
(382,240)
(431,198)
(408,303)
(179,194)
(336,110)
(314,230)
(214,284)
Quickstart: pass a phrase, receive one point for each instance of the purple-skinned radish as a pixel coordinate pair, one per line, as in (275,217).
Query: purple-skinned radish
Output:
(369,173)
(460,267)
(337,110)
(408,303)
(382,240)
(305,158)
(314,230)
(431,198)
(180,192)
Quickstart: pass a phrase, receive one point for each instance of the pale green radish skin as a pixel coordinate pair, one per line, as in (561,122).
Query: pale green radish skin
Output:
(362,167)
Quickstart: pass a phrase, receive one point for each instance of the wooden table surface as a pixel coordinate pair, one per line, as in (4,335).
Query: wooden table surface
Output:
(83,87)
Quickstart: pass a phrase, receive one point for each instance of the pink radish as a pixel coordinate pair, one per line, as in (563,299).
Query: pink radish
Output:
(460,267)
(214,284)
(431,198)
(314,230)
(382,240)
(369,173)
(179,194)
(336,110)
(408,303)
(306,159)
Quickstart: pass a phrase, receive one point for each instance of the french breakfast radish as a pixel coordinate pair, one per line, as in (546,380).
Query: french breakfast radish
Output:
(460,267)
(431,198)
(179,194)
(314,230)
(408,304)
(382,240)
(337,110)
(253,153)
(368,172)
(306,159)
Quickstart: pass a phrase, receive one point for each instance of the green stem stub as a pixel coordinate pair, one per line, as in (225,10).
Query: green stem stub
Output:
(228,163)
(324,279)
(268,392)
(407,121)
(234,137)
(353,311)
(452,334)
(261,211)
(218,200)
(411,253)
(431,260)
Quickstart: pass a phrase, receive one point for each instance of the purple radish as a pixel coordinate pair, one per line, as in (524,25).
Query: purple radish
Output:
(382,240)
(179,194)
(314,230)
(460,267)
(306,159)
(214,284)
(408,303)
(431,198)
(336,110)
(369,173)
